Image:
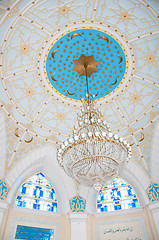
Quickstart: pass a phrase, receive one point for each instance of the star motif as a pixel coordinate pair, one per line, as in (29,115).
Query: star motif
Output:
(86,64)
(29,92)
(24,48)
(150,58)
(125,16)
(135,98)
(63,9)
(60,116)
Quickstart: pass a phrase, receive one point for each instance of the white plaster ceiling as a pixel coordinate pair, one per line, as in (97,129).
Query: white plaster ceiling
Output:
(33,111)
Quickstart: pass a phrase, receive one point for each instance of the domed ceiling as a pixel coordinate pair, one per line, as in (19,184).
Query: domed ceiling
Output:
(44,44)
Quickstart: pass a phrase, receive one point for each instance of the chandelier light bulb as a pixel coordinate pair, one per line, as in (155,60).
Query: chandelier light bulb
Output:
(104,123)
(86,120)
(104,134)
(116,137)
(66,143)
(97,134)
(80,123)
(70,140)
(110,135)
(121,139)
(62,146)
(76,138)
(90,134)
(92,120)
(83,135)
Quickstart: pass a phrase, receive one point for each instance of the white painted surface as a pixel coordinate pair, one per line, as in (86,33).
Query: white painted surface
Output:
(155,155)
(3,207)
(154,208)
(78,226)
(2,144)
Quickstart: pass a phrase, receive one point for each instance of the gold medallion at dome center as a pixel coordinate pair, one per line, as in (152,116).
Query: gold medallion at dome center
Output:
(86,64)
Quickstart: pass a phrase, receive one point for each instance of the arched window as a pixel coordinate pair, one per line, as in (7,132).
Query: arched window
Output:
(116,196)
(37,193)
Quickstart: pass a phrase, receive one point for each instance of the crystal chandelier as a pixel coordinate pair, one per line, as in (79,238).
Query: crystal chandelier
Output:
(93,155)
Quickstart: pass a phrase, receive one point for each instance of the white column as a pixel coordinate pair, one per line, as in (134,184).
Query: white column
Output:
(154,208)
(3,209)
(78,226)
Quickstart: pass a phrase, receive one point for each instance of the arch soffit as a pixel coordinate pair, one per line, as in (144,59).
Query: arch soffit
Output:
(36,162)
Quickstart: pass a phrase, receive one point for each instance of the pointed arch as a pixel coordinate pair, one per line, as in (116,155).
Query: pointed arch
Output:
(118,195)
(37,193)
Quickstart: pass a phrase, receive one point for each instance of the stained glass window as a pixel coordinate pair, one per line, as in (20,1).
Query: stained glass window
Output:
(116,196)
(37,193)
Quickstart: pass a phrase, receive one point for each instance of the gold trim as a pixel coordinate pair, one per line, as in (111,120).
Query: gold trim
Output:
(16,132)
(93,140)
(28,141)
(53,53)
(105,38)
(114,82)
(53,77)
(142,137)
(121,59)
(75,35)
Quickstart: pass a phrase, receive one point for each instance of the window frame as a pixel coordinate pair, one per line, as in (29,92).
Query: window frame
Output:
(25,181)
(113,211)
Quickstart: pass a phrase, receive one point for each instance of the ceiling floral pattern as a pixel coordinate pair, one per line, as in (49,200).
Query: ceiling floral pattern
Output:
(36,112)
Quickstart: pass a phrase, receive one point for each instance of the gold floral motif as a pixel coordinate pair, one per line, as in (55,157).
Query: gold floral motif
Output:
(85,64)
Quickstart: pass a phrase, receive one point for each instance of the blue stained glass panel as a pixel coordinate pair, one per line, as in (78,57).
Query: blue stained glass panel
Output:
(116,196)
(37,193)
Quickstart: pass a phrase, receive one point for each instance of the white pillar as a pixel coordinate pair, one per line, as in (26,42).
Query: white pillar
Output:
(154,208)
(78,226)
(3,209)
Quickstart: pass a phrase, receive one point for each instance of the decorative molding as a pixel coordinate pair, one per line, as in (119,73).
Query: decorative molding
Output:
(153,192)
(77,204)
(154,207)
(35,212)
(4,189)
(120,212)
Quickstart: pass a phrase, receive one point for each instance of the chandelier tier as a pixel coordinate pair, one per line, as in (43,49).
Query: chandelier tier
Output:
(93,155)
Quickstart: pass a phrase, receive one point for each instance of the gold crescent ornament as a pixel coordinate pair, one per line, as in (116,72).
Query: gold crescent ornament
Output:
(131,144)
(16,132)
(105,38)
(53,77)
(75,35)
(114,82)
(53,53)
(121,59)
(70,93)
(94,95)
(142,137)
(28,141)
